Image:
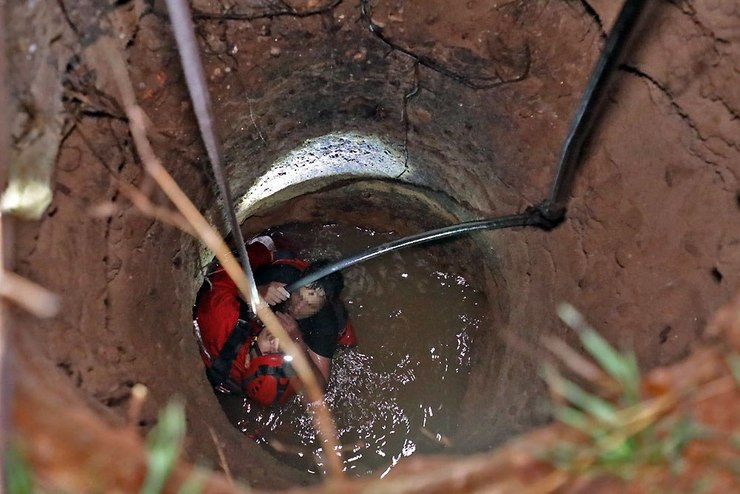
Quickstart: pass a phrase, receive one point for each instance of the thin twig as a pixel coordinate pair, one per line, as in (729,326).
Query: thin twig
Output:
(438,438)
(6,383)
(713,388)
(221,456)
(240,16)
(251,117)
(139,196)
(281,447)
(146,206)
(209,236)
(580,365)
(25,293)
(549,484)
(138,395)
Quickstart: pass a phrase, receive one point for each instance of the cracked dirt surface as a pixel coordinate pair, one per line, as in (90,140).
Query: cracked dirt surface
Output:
(479,96)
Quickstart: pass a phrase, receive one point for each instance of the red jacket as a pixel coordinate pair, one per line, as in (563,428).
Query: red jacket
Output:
(218,307)
(218,311)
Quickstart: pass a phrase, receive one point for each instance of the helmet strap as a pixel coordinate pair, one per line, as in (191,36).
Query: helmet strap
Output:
(254,347)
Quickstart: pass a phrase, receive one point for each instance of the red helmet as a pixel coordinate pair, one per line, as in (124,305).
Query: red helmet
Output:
(270,379)
(347,336)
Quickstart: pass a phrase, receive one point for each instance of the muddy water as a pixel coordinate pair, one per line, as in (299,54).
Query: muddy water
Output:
(397,393)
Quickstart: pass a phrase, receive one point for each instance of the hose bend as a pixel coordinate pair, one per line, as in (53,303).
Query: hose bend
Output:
(528,218)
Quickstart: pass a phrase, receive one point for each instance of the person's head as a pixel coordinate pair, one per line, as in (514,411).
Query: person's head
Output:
(270,379)
(266,342)
(308,300)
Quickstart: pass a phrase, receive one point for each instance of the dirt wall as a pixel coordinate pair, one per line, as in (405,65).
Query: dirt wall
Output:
(478,97)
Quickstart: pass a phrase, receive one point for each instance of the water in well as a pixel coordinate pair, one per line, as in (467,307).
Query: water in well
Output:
(397,393)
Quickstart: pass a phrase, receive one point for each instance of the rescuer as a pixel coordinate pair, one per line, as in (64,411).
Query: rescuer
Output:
(240,356)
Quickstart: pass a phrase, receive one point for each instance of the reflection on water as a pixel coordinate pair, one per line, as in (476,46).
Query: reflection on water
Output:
(398,391)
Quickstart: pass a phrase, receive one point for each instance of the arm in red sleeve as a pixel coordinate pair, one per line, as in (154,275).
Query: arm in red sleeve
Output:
(218,307)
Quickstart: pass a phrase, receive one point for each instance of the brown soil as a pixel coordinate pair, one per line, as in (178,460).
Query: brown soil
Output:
(477,96)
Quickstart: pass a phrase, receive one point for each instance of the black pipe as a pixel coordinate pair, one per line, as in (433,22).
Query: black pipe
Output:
(530,218)
(587,112)
(551,212)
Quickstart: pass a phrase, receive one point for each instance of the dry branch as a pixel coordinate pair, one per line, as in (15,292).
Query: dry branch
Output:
(209,236)
(26,294)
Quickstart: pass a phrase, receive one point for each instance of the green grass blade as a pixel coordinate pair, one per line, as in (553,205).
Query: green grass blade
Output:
(194,484)
(611,360)
(631,381)
(621,367)
(165,443)
(574,418)
(18,475)
(589,403)
(733,360)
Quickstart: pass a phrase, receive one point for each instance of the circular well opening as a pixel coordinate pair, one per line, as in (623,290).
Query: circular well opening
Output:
(419,313)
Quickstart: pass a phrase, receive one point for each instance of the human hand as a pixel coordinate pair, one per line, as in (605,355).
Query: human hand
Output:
(274,292)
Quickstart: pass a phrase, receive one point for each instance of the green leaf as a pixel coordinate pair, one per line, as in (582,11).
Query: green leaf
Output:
(733,360)
(631,381)
(562,455)
(735,440)
(165,443)
(590,403)
(18,474)
(193,484)
(613,362)
(622,367)
(619,453)
(574,418)
(703,484)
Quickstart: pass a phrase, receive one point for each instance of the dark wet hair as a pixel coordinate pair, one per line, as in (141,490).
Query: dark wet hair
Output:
(332,284)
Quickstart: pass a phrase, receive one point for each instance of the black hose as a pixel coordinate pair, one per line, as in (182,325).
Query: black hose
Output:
(551,212)
(587,111)
(529,218)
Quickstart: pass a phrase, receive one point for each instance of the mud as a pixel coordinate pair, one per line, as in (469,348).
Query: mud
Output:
(398,393)
(477,98)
